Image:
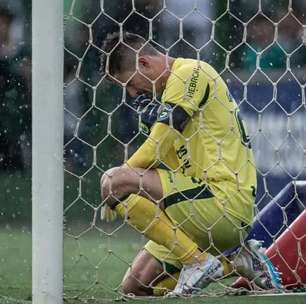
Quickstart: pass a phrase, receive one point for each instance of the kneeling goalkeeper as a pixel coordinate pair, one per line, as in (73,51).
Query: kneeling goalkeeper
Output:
(201,202)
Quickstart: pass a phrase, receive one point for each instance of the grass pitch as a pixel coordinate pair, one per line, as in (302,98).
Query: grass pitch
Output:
(94,261)
(94,266)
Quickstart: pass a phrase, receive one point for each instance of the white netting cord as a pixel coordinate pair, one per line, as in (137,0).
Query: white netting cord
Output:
(96,141)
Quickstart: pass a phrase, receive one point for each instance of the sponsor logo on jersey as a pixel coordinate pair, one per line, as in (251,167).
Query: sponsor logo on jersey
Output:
(193,82)
(165,113)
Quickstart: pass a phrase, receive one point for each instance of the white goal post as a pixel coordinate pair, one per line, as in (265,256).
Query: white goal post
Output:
(47,155)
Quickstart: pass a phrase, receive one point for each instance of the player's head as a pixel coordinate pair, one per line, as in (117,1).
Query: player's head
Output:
(6,19)
(133,62)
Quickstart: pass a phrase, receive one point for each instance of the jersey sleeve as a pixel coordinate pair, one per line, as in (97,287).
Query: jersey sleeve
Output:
(155,148)
(187,87)
(186,90)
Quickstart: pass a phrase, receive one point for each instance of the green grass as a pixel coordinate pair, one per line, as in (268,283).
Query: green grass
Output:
(94,266)
(93,262)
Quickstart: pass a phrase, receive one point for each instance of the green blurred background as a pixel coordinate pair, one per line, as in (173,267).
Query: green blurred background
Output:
(98,118)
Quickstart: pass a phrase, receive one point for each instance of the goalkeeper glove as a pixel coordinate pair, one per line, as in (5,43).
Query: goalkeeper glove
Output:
(148,110)
(108,214)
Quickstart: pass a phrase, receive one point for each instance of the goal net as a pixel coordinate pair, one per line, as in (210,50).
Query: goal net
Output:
(258,48)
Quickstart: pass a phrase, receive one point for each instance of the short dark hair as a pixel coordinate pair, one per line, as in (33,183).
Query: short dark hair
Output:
(120,52)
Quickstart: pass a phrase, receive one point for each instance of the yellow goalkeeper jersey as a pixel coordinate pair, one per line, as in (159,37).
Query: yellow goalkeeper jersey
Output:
(214,145)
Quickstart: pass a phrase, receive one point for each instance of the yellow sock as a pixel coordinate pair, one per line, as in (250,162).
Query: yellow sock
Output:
(165,285)
(227,265)
(147,218)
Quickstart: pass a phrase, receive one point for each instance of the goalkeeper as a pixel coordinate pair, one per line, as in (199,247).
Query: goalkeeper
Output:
(190,187)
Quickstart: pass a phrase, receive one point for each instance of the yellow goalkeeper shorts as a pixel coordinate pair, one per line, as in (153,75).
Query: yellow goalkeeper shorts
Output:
(193,207)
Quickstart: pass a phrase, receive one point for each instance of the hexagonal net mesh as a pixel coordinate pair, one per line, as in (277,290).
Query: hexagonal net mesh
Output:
(258,48)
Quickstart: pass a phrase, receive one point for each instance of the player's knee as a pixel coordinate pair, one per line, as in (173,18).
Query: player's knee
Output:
(114,183)
(107,184)
(132,284)
(130,287)
(104,186)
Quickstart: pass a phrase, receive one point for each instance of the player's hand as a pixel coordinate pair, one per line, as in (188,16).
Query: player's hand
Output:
(148,110)
(107,214)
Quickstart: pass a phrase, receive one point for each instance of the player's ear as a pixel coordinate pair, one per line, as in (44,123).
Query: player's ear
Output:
(144,62)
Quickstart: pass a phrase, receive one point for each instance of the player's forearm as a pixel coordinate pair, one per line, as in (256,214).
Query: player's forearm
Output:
(154,148)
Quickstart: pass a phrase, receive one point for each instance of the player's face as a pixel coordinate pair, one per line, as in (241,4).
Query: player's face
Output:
(139,84)
(136,83)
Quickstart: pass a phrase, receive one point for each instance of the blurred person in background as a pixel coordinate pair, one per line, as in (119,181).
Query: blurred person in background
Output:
(272,47)
(196,23)
(15,79)
(260,35)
